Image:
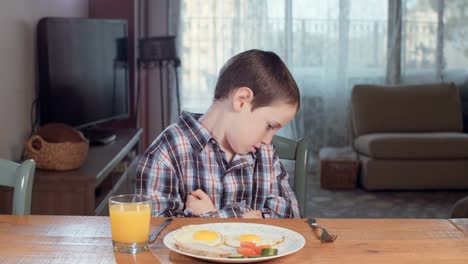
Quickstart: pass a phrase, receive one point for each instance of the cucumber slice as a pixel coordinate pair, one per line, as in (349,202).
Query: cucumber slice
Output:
(236,256)
(266,252)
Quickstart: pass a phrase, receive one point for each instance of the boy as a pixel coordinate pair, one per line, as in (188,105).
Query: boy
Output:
(222,163)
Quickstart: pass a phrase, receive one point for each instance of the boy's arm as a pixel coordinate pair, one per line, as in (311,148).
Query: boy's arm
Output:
(281,202)
(200,205)
(236,210)
(158,180)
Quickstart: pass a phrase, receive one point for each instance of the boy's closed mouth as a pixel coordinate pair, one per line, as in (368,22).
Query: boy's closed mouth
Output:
(255,149)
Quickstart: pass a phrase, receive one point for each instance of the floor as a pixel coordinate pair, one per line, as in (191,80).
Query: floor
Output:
(358,203)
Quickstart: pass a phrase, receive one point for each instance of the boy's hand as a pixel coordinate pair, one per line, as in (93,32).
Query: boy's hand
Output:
(253,214)
(199,202)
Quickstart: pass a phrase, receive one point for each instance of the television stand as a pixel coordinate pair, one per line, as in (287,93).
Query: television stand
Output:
(100,136)
(107,170)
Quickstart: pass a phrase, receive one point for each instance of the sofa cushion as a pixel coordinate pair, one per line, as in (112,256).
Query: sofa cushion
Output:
(412,108)
(437,145)
(414,174)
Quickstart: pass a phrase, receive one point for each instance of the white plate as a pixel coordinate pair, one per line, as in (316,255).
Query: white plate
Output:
(293,241)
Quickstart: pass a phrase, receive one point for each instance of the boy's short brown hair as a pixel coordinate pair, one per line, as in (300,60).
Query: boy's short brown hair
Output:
(261,71)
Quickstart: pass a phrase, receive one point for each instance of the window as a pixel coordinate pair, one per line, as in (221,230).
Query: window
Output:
(329,46)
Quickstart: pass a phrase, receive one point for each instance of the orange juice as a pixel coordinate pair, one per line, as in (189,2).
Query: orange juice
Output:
(130,223)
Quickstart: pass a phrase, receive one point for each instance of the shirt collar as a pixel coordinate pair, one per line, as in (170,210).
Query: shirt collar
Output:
(241,161)
(197,134)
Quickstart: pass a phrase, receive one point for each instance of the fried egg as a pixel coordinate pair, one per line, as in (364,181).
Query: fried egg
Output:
(203,250)
(258,239)
(194,234)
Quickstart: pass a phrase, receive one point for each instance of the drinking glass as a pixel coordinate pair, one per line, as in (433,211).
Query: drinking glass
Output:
(130,216)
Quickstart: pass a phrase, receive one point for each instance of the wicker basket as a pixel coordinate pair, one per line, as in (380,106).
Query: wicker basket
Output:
(338,174)
(57,147)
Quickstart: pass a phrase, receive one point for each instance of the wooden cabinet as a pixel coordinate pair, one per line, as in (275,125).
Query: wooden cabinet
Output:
(108,170)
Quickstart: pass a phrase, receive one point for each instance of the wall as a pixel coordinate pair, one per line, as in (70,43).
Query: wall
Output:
(157,25)
(161,20)
(18,19)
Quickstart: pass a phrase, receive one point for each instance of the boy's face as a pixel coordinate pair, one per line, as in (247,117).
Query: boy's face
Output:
(250,129)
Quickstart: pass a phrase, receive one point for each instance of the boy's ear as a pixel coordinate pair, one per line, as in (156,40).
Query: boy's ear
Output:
(242,97)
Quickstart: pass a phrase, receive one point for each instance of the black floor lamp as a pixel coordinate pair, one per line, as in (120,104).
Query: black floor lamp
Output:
(158,53)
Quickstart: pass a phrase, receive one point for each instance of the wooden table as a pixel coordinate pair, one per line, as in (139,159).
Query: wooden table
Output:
(87,239)
(461,224)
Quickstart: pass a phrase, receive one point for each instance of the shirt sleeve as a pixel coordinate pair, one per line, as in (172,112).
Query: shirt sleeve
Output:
(234,210)
(158,180)
(281,202)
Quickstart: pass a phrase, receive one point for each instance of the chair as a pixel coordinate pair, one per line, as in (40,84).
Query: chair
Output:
(460,209)
(20,177)
(289,149)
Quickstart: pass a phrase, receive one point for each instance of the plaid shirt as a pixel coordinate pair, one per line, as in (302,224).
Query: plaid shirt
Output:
(185,157)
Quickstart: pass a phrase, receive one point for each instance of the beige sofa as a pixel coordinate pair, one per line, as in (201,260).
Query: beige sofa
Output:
(410,137)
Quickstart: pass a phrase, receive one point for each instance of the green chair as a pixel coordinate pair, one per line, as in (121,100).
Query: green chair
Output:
(20,177)
(460,209)
(289,149)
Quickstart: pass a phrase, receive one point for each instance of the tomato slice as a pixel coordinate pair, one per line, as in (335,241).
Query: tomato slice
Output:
(246,251)
(246,244)
(258,249)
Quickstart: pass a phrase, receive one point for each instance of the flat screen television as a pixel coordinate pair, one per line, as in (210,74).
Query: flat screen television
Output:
(83,73)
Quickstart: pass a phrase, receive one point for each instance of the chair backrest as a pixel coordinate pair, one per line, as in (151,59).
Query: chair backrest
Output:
(460,209)
(295,150)
(411,108)
(20,177)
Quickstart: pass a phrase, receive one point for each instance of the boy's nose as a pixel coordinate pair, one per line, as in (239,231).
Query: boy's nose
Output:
(267,138)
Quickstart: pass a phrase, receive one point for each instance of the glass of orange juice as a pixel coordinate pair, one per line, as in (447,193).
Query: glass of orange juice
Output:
(130,216)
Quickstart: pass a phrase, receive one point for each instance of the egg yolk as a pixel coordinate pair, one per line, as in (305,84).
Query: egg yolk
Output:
(249,238)
(205,235)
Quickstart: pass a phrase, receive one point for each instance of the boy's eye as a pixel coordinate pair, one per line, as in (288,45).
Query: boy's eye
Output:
(270,127)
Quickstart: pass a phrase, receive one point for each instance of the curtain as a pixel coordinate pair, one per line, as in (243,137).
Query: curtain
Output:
(329,46)
(434,41)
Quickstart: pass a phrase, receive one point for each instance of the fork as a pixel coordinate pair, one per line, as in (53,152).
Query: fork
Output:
(325,236)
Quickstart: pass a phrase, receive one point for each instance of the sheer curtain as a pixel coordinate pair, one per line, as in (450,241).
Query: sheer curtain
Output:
(435,41)
(329,46)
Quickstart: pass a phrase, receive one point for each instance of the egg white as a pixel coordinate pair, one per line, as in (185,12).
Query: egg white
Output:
(186,234)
